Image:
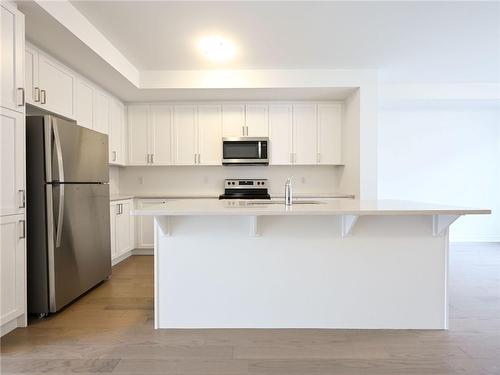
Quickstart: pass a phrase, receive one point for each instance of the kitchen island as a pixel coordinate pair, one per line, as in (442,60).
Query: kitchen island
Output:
(329,263)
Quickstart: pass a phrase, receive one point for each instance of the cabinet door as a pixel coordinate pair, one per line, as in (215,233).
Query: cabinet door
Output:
(257,120)
(12,57)
(280,133)
(12,140)
(58,86)
(233,120)
(329,133)
(210,134)
(101,112)
(116,132)
(124,228)
(304,134)
(185,136)
(31,76)
(161,133)
(145,228)
(84,104)
(12,267)
(113,211)
(138,134)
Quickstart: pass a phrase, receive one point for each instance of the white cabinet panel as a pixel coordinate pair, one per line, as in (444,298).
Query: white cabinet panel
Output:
(280,133)
(161,129)
(12,267)
(233,120)
(210,134)
(145,229)
(56,87)
(12,57)
(138,134)
(185,136)
(304,134)
(84,104)
(124,228)
(101,112)
(116,132)
(257,120)
(31,76)
(329,133)
(12,141)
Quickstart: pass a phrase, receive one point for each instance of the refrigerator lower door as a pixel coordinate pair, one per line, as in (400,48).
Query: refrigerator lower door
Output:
(79,247)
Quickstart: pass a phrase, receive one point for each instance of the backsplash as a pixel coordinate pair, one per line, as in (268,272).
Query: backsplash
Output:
(114,175)
(207,180)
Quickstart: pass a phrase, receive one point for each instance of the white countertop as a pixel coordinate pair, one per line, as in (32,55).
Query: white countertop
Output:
(215,207)
(117,197)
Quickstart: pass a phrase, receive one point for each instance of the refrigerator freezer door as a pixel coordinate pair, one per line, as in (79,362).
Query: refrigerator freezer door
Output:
(79,247)
(75,153)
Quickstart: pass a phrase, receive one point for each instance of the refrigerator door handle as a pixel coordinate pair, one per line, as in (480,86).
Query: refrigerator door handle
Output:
(60,216)
(57,141)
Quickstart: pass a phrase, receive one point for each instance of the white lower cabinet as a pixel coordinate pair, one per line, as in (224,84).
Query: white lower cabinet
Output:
(122,229)
(12,272)
(145,230)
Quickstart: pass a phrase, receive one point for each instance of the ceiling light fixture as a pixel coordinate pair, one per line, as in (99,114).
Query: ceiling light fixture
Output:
(217,49)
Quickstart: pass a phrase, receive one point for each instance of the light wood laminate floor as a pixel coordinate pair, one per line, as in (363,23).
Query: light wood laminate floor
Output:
(110,329)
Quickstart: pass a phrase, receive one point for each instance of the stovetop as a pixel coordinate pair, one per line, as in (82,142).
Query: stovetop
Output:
(245,189)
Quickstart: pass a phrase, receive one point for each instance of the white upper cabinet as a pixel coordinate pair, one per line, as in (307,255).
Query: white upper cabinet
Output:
(185,136)
(161,124)
(31,76)
(280,134)
(304,134)
(257,120)
(209,134)
(57,86)
(101,112)
(138,134)
(329,133)
(84,106)
(12,55)
(116,132)
(233,120)
(12,140)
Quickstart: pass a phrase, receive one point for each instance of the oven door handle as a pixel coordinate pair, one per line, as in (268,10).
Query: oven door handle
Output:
(260,149)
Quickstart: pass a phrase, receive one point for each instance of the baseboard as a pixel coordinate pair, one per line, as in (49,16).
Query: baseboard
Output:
(121,258)
(5,328)
(143,252)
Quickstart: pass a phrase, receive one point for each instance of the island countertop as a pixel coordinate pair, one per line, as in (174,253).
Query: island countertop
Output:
(276,207)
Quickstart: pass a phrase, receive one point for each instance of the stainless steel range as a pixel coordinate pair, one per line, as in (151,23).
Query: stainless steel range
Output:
(245,189)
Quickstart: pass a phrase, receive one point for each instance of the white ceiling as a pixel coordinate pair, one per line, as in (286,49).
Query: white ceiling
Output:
(407,41)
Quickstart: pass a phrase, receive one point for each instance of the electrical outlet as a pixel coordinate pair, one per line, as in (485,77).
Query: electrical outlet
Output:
(141,180)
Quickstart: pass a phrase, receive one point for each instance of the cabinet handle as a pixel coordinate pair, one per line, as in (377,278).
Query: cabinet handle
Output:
(199,158)
(37,94)
(195,158)
(43,96)
(22,223)
(23,98)
(114,155)
(243,130)
(319,158)
(247,131)
(152,158)
(23,198)
(147,158)
(121,208)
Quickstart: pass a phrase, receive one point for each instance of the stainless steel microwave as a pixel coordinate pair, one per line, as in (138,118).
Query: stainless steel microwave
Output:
(245,151)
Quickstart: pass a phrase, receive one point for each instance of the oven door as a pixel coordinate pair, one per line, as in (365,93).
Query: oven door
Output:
(249,151)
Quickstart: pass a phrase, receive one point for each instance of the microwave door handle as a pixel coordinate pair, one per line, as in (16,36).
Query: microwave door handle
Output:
(260,149)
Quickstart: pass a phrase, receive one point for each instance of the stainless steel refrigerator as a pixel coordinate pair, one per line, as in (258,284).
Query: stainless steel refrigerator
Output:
(68,236)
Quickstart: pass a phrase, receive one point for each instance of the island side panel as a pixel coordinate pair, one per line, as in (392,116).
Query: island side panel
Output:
(300,273)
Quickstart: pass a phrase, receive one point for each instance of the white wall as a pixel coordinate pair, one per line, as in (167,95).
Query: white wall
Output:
(204,180)
(114,177)
(444,155)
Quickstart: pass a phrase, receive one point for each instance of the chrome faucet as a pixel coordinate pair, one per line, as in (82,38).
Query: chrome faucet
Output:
(288,192)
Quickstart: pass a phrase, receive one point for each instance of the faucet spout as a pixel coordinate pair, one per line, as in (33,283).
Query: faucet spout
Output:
(288,192)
